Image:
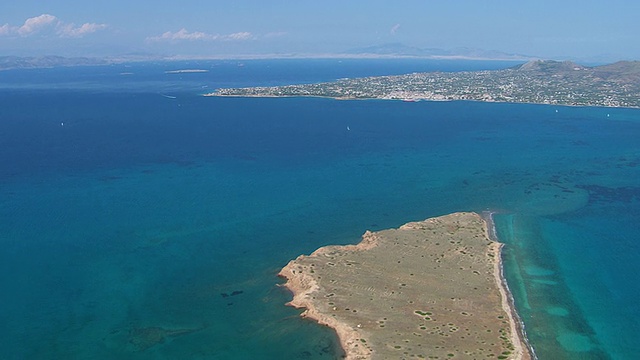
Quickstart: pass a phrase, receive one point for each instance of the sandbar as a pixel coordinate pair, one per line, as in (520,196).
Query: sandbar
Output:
(429,289)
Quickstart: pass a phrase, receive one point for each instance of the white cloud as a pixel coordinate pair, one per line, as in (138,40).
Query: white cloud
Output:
(275,34)
(35,24)
(70,30)
(184,34)
(238,36)
(47,24)
(5,29)
(394,29)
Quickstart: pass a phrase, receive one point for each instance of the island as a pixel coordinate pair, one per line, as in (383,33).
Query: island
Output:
(186,71)
(537,81)
(429,289)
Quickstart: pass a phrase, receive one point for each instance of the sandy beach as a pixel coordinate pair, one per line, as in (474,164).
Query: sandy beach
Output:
(432,288)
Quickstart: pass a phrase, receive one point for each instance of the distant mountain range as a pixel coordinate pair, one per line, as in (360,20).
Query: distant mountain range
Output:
(50,61)
(387,50)
(402,50)
(630,69)
(18,62)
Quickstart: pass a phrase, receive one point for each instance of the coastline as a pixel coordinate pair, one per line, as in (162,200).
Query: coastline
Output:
(413,100)
(508,302)
(363,334)
(303,286)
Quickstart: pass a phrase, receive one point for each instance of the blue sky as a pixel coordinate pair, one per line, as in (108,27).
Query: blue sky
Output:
(550,29)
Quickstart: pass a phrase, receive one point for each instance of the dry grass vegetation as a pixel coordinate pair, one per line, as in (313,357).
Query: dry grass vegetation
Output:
(427,290)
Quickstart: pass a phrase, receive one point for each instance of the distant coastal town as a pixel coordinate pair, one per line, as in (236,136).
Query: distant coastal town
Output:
(538,81)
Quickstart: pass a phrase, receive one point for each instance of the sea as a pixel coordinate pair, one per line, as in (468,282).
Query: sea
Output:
(142,220)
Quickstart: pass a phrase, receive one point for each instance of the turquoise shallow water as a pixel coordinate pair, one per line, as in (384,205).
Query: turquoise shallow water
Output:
(147,227)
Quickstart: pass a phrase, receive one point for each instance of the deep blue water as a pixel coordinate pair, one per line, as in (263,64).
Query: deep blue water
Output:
(135,226)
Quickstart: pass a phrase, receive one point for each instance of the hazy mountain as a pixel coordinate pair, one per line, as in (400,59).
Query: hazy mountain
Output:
(398,49)
(621,71)
(627,72)
(402,50)
(17,62)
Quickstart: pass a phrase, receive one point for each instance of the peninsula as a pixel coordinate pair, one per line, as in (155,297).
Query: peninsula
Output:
(538,81)
(430,289)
